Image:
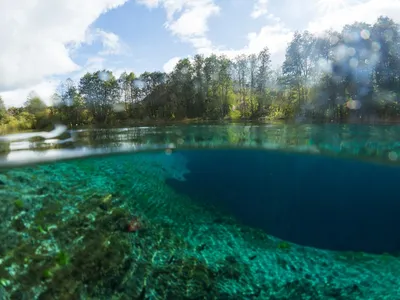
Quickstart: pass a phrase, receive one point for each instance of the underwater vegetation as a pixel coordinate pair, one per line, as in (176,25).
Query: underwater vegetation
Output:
(110,228)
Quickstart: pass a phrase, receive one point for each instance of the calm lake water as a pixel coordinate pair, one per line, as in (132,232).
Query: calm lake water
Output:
(201,212)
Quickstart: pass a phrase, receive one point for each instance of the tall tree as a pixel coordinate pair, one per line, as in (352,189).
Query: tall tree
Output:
(129,91)
(100,91)
(3,110)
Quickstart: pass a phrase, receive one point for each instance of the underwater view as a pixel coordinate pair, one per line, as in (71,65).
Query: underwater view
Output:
(228,211)
(200,150)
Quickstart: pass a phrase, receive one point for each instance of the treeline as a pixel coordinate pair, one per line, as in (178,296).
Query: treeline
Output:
(335,76)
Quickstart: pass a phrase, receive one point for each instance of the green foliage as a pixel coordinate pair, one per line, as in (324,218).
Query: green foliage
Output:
(278,112)
(34,105)
(284,245)
(41,230)
(234,115)
(62,258)
(47,274)
(3,110)
(19,204)
(100,92)
(22,121)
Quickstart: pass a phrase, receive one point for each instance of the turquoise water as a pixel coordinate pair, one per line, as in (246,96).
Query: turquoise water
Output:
(201,212)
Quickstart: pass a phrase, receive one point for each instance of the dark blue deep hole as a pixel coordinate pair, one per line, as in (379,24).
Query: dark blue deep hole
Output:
(315,201)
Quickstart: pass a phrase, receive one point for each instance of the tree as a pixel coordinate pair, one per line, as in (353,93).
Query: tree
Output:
(3,110)
(241,77)
(386,34)
(262,78)
(225,85)
(182,89)
(100,92)
(128,91)
(34,105)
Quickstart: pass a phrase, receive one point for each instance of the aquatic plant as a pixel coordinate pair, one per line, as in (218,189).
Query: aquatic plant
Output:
(19,204)
(284,245)
(62,258)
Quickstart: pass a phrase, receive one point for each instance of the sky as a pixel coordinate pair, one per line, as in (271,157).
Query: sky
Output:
(45,41)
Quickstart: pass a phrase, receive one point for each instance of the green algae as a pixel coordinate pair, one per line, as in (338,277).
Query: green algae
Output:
(19,204)
(60,274)
(284,245)
(40,228)
(48,214)
(62,258)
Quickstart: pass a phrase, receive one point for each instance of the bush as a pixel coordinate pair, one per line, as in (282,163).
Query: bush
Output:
(235,115)
(22,121)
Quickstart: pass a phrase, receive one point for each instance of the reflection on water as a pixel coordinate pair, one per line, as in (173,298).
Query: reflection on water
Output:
(58,130)
(362,141)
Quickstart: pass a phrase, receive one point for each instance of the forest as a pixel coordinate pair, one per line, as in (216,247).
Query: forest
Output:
(347,76)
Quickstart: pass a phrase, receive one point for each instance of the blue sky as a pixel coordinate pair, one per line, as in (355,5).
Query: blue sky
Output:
(151,45)
(53,40)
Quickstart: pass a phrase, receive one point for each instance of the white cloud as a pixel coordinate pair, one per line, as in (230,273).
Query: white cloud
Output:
(47,88)
(275,37)
(187,19)
(260,9)
(96,63)
(170,64)
(44,90)
(149,3)
(92,64)
(112,44)
(324,6)
(192,23)
(36,36)
(366,11)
